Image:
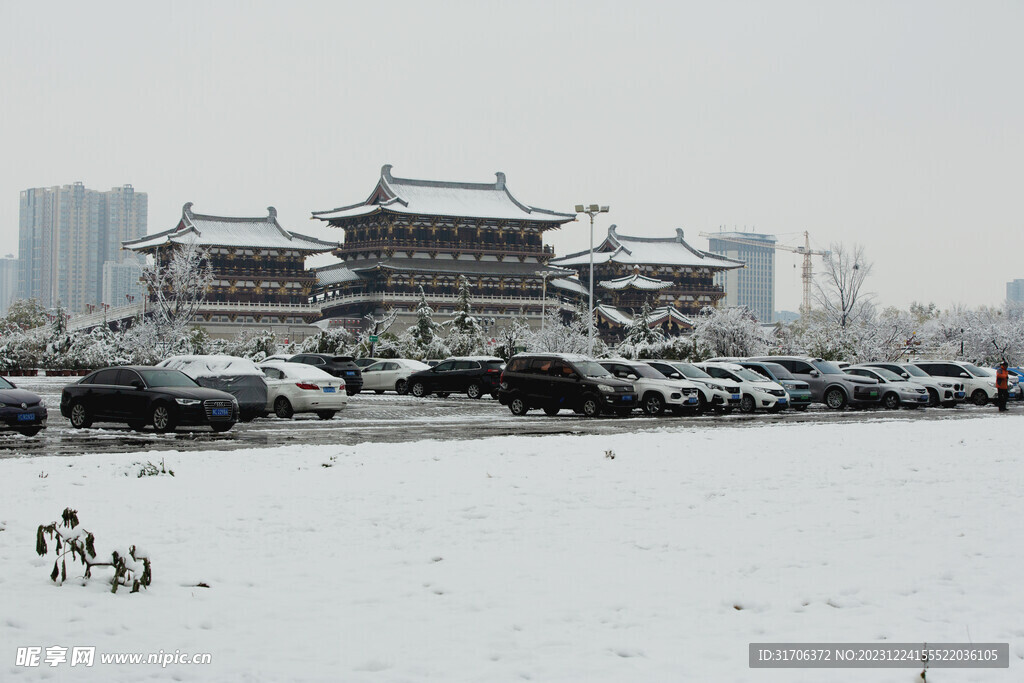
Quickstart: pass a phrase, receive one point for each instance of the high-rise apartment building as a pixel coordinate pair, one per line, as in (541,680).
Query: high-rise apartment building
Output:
(1015,291)
(753,285)
(67,233)
(8,282)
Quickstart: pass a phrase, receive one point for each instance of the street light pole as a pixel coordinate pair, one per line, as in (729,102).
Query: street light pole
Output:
(544,275)
(591,210)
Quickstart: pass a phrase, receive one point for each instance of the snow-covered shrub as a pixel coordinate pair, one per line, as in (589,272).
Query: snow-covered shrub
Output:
(255,345)
(335,340)
(728,332)
(80,544)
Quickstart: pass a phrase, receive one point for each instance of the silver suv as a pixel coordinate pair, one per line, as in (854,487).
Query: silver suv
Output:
(829,384)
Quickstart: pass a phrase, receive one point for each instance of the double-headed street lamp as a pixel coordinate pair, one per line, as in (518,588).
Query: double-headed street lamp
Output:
(591,210)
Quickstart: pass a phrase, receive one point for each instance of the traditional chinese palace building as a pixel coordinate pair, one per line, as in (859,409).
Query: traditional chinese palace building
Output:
(259,273)
(673,277)
(409,234)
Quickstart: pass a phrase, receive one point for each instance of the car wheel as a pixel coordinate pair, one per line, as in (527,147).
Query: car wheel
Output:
(378,391)
(591,406)
(933,398)
(979,397)
(747,404)
(220,427)
(419,390)
(283,408)
(402,387)
(551,410)
(835,398)
(474,390)
(137,425)
(654,404)
(702,404)
(518,406)
(163,419)
(325,414)
(891,401)
(80,416)
(30,431)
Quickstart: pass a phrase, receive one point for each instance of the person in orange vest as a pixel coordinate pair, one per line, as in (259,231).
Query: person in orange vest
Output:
(1002,386)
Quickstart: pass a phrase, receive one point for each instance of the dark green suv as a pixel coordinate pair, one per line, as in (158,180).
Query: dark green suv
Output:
(553,381)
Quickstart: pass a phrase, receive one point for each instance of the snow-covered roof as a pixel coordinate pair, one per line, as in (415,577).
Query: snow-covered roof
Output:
(212,366)
(662,251)
(263,232)
(440,198)
(572,284)
(298,370)
(637,281)
(658,315)
(334,274)
(613,314)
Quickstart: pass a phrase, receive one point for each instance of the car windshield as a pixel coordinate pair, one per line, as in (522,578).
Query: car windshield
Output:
(4,384)
(974,370)
(915,371)
(591,369)
(167,378)
(827,367)
(646,371)
(750,375)
(690,371)
(887,375)
(778,371)
(494,365)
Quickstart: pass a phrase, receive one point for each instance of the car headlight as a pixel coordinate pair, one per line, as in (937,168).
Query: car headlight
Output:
(187,401)
(945,385)
(607,388)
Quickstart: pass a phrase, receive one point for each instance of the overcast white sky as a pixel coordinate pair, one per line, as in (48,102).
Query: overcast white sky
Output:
(897,125)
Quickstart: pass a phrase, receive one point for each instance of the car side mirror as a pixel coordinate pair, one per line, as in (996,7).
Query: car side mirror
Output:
(814,373)
(905,375)
(630,375)
(137,384)
(964,374)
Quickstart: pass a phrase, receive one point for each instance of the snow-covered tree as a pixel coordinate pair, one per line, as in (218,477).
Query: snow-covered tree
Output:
(465,334)
(26,314)
(512,336)
(559,337)
(729,332)
(840,289)
(334,340)
(177,287)
(376,327)
(255,345)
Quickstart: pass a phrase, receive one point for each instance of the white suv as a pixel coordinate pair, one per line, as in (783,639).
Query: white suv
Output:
(656,391)
(941,391)
(756,391)
(712,394)
(979,388)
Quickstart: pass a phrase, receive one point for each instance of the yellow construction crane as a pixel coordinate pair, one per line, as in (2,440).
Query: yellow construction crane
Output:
(808,273)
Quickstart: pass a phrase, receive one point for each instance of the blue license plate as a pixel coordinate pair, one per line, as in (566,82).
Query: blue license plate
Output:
(221,412)
(627,398)
(782,401)
(350,372)
(922,399)
(692,399)
(26,417)
(959,394)
(735,397)
(328,390)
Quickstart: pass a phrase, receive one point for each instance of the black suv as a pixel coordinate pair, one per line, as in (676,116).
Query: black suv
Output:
(553,381)
(338,366)
(475,375)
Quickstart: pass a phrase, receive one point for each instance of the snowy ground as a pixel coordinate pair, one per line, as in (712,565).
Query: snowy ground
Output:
(533,558)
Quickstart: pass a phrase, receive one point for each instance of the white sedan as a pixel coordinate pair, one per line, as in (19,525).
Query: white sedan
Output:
(391,375)
(300,388)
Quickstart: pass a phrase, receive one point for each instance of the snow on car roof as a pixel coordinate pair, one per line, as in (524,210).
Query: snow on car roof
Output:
(211,366)
(299,370)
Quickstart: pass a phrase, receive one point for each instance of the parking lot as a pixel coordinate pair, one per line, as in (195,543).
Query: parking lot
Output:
(393,418)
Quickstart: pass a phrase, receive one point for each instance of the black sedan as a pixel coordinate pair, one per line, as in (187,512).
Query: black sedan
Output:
(20,410)
(138,396)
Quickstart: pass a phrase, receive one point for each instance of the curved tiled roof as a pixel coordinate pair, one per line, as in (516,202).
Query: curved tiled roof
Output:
(440,198)
(661,251)
(637,281)
(263,232)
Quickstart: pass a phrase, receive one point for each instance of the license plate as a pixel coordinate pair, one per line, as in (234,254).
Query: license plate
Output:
(782,400)
(735,397)
(221,412)
(328,390)
(959,394)
(692,399)
(26,417)
(627,398)
(350,372)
